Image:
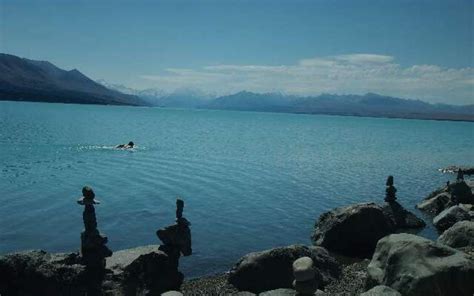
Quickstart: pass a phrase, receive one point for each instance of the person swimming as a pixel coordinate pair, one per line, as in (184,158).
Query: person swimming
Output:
(130,145)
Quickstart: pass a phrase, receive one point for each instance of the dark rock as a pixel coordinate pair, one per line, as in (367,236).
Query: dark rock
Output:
(461,192)
(176,238)
(145,270)
(390,191)
(353,230)
(448,196)
(454,169)
(381,290)
(414,265)
(120,259)
(272,269)
(306,287)
(40,273)
(436,204)
(459,236)
(449,217)
(151,274)
(440,190)
(401,217)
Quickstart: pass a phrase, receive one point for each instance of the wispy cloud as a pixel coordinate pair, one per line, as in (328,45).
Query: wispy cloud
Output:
(342,74)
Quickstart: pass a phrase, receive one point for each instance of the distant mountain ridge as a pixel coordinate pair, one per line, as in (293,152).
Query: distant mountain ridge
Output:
(29,80)
(180,98)
(370,104)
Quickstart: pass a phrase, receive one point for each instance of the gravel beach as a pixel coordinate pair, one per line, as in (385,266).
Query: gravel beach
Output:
(350,283)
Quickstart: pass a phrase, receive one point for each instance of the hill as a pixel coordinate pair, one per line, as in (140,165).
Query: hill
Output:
(40,81)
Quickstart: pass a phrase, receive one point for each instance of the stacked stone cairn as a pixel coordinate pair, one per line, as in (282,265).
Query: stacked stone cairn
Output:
(176,238)
(93,243)
(460,191)
(306,276)
(390,191)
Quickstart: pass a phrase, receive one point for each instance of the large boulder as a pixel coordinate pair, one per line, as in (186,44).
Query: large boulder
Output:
(40,273)
(416,266)
(145,271)
(353,230)
(450,216)
(402,218)
(459,236)
(273,269)
(436,204)
(448,196)
(381,290)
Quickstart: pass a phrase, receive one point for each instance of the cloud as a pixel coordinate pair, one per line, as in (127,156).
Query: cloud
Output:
(342,74)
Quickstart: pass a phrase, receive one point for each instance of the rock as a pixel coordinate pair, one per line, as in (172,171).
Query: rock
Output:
(303,269)
(120,259)
(436,204)
(414,265)
(461,192)
(352,230)
(152,273)
(390,191)
(176,238)
(402,218)
(305,288)
(273,269)
(449,217)
(381,290)
(244,293)
(172,293)
(279,292)
(454,169)
(41,273)
(459,236)
(437,192)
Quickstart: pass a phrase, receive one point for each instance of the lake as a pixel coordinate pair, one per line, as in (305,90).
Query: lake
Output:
(250,181)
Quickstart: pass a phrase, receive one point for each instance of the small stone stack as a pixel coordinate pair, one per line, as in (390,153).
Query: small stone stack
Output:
(176,238)
(461,192)
(306,276)
(390,191)
(93,243)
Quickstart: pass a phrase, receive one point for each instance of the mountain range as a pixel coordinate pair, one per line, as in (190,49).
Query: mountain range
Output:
(29,80)
(370,104)
(40,81)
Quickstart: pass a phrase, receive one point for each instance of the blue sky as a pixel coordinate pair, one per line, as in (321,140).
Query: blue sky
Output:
(416,49)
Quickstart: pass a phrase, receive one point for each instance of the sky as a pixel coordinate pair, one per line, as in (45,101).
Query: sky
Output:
(412,49)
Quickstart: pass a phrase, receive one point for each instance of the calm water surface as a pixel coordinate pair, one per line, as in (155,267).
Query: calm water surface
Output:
(251,181)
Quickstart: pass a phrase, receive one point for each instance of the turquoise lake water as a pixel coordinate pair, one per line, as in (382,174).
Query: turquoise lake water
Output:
(250,180)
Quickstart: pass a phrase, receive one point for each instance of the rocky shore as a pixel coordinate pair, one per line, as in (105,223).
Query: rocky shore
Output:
(360,249)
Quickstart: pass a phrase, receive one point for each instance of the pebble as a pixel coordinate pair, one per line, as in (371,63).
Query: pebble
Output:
(303,269)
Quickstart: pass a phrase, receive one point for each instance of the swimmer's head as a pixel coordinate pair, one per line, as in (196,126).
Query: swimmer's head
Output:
(131,144)
(88,193)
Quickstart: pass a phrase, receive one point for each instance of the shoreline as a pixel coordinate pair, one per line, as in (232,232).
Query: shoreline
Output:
(349,247)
